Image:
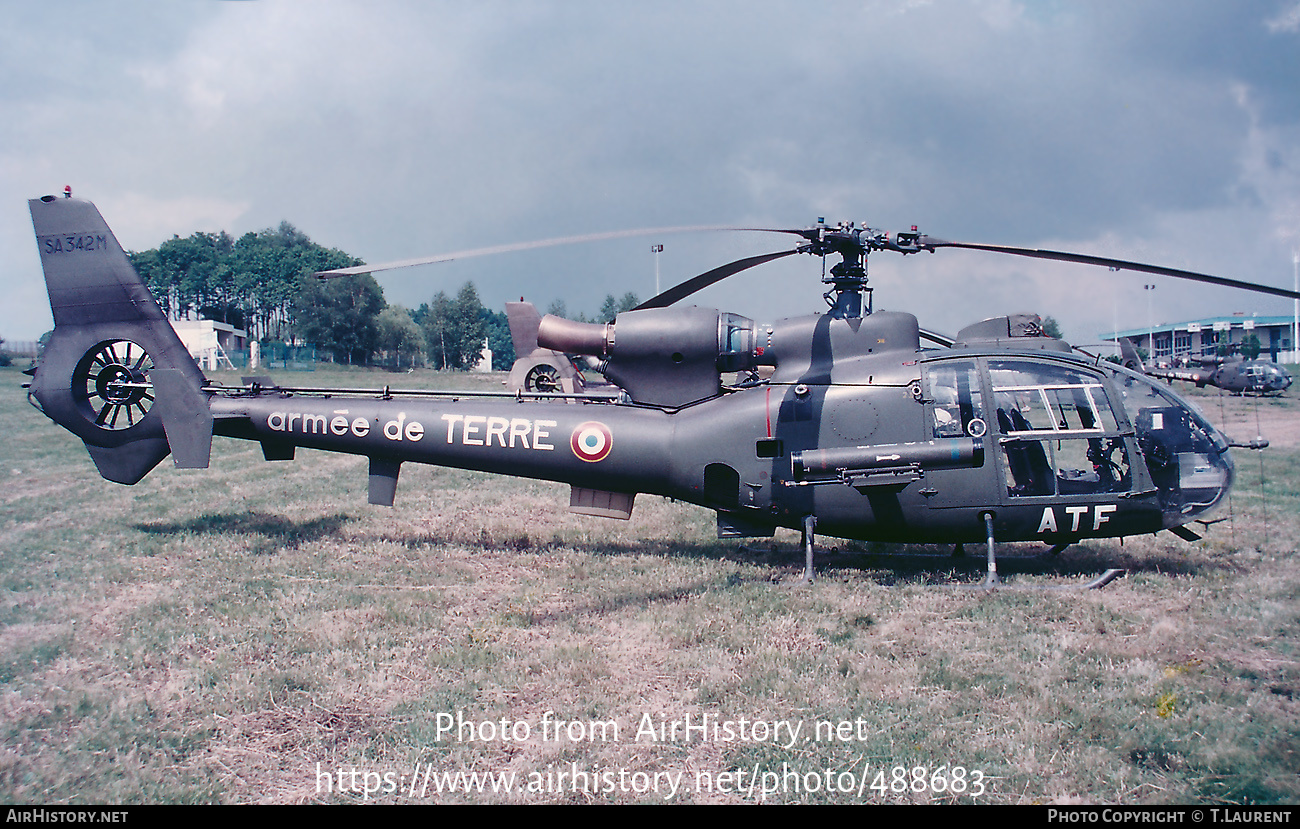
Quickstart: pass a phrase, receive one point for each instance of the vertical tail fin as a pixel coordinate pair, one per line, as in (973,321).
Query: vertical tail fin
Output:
(96,375)
(1129,354)
(524,320)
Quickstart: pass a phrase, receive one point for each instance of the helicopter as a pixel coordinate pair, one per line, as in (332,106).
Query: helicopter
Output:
(836,423)
(1233,373)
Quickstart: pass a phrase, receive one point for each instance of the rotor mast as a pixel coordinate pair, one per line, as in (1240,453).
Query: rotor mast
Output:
(848,277)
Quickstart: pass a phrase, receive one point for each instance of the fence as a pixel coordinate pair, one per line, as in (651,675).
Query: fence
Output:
(27,349)
(279,356)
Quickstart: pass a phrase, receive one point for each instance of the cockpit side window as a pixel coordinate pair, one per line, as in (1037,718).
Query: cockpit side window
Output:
(954,387)
(1060,435)
(1044,398)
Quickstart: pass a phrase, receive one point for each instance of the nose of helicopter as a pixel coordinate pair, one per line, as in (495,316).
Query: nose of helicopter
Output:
(1188,458)
(1204,478)
(1228,465)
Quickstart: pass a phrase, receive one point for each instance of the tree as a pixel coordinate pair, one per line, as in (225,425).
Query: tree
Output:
(1051,328)
(339,315)
(270,265)
(608,309)
(1250,346)
(496,327)
(454,328)
(397,335)
(249,283)
(467,314)
(436,321)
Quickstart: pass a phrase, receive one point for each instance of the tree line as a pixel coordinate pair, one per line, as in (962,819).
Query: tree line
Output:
(263,284)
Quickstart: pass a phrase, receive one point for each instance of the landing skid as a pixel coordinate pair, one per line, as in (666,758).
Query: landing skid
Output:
(959,551)
(991,579)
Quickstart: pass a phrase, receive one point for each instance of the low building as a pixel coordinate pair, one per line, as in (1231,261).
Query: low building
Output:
(210,342)
(1203,337)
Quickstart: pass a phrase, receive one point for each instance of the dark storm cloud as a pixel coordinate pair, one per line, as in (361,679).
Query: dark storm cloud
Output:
(393,130)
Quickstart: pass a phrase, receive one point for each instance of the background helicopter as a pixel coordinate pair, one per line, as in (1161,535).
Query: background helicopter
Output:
(1233,373)
(837,421)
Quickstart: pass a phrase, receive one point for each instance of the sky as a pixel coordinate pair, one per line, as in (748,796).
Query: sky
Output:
(1163,132)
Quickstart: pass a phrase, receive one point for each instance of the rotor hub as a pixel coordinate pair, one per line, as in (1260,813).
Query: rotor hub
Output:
(115,384)
(112,384)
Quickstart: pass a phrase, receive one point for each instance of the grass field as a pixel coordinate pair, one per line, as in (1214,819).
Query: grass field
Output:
(255,632)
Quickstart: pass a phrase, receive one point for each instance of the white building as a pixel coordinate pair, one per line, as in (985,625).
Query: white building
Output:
(1204,336)
(210,342)
(484,362)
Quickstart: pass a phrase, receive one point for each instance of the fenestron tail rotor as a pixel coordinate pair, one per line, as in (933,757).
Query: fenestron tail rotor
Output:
(112,384)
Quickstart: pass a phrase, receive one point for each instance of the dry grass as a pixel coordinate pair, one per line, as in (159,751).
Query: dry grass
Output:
(222,635)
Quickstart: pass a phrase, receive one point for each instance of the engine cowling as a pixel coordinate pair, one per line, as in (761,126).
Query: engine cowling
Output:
(661,356)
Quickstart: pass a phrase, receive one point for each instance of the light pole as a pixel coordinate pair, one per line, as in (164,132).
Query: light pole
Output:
(1114,325)
(656,250)
(1151,329)
(1295,308)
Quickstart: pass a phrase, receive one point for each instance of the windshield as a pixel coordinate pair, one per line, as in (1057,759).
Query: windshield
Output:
(1187,457)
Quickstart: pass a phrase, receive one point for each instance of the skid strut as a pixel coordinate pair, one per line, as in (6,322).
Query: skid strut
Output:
(992,578)
(809,524)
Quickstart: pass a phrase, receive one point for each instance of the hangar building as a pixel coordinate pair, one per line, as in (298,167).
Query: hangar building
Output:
(1204,336)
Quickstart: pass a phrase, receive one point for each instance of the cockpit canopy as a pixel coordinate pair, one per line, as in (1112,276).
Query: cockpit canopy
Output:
(1067,428)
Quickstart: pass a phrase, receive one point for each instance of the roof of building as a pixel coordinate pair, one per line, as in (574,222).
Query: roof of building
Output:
(1206,323)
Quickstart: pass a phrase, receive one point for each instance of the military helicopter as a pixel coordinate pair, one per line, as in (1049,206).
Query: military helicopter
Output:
(1233,373)
(838,423)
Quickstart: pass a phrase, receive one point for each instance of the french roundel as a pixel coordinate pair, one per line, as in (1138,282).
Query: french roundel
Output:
(591,441)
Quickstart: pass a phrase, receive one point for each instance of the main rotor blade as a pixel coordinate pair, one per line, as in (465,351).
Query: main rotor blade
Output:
(515,246)
(930,243)
(704,280)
